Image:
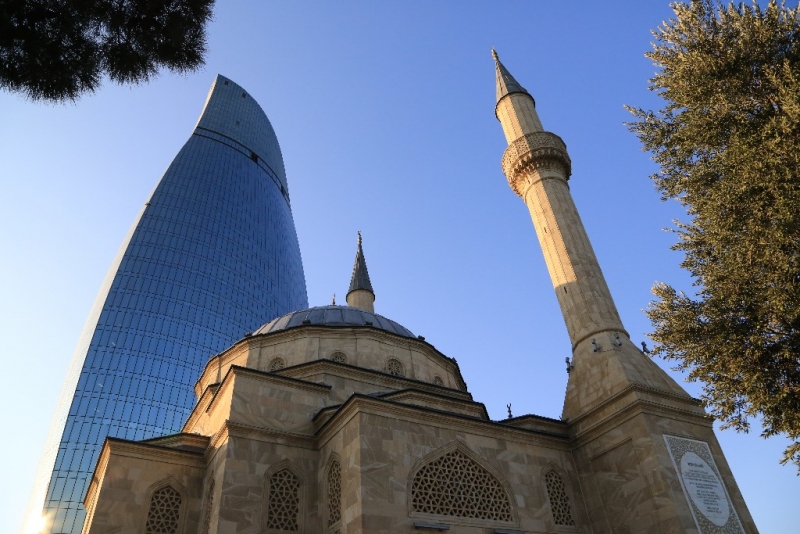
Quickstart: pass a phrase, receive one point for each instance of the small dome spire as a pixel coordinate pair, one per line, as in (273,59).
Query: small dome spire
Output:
(360,295)
(506,84)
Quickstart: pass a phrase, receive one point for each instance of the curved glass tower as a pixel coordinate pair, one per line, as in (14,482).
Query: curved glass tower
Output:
(212,255)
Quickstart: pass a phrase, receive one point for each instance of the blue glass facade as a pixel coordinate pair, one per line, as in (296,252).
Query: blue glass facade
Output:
(213,255)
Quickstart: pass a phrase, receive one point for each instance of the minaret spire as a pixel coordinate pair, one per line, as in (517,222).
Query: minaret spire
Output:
(515,108)
(506,84)
(360,295)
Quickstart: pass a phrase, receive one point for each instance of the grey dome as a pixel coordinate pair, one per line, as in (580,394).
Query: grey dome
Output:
(333,316)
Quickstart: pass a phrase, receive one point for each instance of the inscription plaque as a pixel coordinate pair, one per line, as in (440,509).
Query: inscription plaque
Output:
(703,487)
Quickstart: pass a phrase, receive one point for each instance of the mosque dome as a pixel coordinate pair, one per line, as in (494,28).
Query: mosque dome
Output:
(334,316)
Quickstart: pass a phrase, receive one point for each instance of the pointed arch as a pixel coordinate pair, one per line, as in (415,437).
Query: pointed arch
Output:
(284,491)
(165,511)
(333,491)
(558,495)
(455,482)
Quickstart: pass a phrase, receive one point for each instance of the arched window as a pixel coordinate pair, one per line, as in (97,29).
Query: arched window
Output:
(284,501)
(334,493)
(164,514)
(394,367)
(206,526)
(559,500)
(438,380)
(276,364)
(455,485)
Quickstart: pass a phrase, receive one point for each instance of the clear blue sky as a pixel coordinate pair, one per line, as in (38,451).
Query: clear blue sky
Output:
(385,115)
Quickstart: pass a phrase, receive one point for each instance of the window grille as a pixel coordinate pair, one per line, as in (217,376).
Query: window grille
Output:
(164,512)
(276,364)
(559,501)
(284,501)
(207,510)
(334,493)
(395,368)
(455,485)
(340,357)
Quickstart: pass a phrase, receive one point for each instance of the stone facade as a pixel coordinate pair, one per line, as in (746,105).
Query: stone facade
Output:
(335,420)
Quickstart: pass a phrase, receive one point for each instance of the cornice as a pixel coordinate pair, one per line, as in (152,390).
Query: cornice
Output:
(181,439)
(241,430)
(635,387)
(385,378)
(298,332)
(635,407)
(264,376)
(359,403)
(414,393)
(148,451)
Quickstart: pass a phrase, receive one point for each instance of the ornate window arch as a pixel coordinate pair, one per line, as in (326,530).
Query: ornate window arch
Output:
(284,498)
(165,512)
(333,484)
(438,380)
(276,364)
(454,482)
(394,367)
(558,497)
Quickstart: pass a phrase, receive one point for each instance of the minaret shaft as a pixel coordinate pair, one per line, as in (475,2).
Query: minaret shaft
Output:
(580,287)
(517,115)
(537,166)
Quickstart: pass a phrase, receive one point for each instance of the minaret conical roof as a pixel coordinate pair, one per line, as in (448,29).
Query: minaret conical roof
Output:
(506,84)
(360,278)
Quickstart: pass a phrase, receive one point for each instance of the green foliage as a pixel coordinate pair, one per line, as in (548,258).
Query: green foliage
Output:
(728,145)
(57,50)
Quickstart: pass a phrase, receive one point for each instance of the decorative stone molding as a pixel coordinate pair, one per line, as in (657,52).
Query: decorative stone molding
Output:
(534,151)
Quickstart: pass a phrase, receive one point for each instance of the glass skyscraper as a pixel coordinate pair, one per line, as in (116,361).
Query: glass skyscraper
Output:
(212,255)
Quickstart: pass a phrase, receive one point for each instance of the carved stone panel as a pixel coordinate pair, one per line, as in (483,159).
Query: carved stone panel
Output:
(702,485)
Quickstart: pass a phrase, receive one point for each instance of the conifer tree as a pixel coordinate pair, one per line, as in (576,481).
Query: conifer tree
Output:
(56,50)
(727,142)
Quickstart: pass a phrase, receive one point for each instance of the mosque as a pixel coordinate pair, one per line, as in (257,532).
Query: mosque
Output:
(337,420)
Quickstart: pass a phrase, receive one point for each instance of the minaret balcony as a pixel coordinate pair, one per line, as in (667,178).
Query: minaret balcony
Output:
(531,152)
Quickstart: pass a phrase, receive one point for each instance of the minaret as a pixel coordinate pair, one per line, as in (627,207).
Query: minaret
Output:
(630,423)
(360,295)
(538,167)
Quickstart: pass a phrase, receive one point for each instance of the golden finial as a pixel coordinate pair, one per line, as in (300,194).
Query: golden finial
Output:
(494,55)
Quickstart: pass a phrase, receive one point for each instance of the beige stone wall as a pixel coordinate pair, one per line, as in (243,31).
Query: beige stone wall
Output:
(132,474)
(629,478)
(392,446)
